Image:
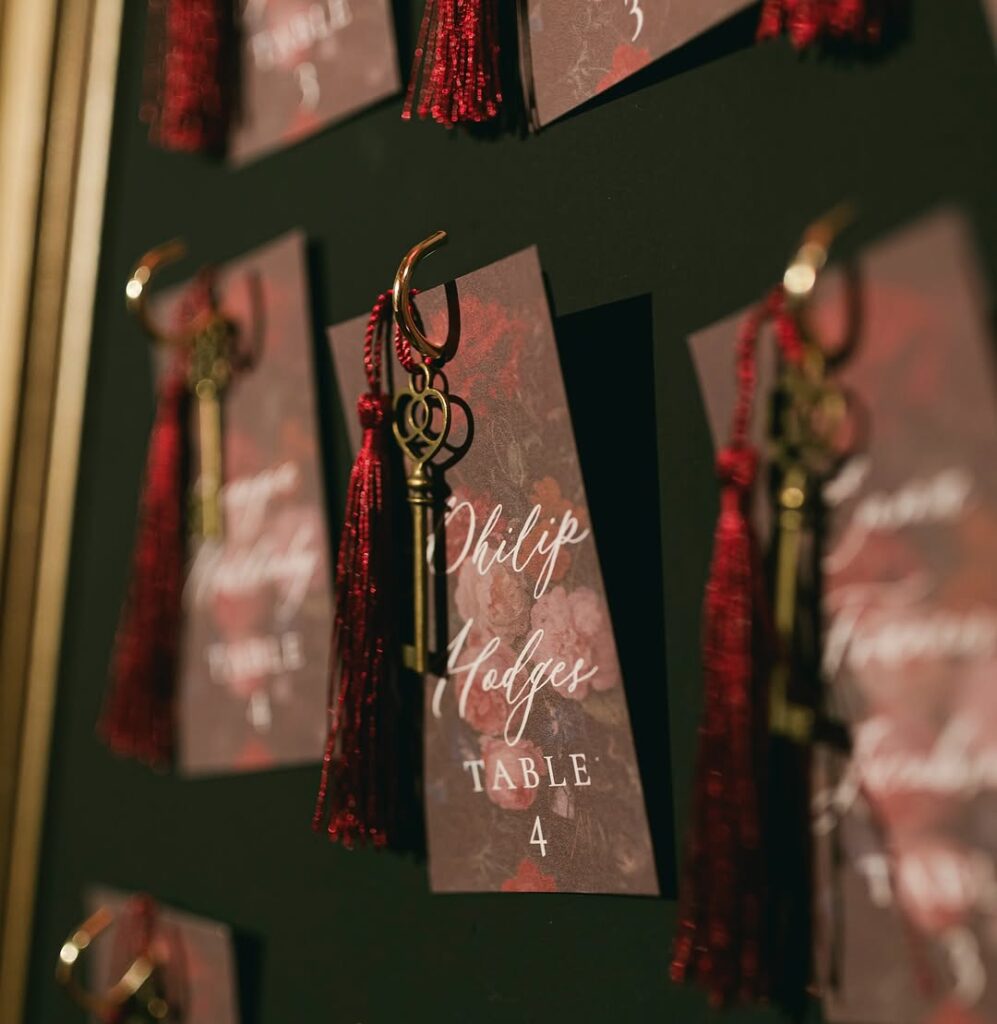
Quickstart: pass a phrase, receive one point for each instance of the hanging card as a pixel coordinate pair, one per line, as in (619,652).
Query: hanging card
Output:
(576,49)
(204,948)
(907,888)
(535,787)
(306,64)
(254,649)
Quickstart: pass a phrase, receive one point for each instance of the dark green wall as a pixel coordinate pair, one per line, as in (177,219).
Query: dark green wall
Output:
(688,188)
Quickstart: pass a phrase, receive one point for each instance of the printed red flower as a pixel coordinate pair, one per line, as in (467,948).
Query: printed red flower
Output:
(529,878)
(576,627)
(506,779)
(953,1012)
(254,756)
(495,339)
(546,493)
(627,60)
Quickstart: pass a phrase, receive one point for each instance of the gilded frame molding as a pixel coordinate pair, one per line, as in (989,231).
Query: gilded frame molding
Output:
(58,71)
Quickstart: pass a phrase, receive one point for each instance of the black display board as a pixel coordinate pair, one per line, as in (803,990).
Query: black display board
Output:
(682,193)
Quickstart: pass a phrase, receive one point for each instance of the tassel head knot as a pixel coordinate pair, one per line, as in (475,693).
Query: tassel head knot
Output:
(737,466)
(373,410)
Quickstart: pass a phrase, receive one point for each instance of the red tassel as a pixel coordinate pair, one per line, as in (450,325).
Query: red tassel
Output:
(139,713)
(720,929)
(189,56)
(356,784)
(861,22)
(457,61)
(720,940)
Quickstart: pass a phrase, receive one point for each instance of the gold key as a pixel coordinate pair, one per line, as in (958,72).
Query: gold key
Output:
(210,371)
(421,425)
(209,343)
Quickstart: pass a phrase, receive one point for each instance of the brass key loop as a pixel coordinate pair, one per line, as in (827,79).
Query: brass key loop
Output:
(421,424)
(810,411)
(136,987)
(208,340)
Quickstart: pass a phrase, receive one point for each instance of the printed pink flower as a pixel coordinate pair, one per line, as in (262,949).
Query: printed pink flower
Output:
(466,516)
(486,710)
(529,878)
(501,760)
(576,627)
(627,60)
(498,602)
(938,884)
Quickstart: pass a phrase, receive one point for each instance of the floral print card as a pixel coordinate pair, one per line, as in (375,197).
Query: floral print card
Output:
(198,957)
(307,63)
(254,651)
(531,779)
(907,824)
(575,49)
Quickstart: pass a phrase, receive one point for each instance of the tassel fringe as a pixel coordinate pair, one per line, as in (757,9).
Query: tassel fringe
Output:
(139,714)
(355,791)
(455,71)
(806,22)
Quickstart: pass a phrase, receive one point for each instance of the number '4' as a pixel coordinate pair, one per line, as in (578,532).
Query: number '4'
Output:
(537,837)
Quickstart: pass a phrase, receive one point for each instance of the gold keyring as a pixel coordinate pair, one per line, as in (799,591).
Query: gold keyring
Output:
(810,259)
(137,291)
(138,973)
(401,303)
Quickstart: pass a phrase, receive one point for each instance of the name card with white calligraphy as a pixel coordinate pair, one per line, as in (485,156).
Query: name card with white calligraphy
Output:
(531,778)
(308,63)
(254,655)
(576,49)
(907,888)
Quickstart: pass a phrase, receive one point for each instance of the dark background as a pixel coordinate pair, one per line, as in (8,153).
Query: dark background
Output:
(683,191)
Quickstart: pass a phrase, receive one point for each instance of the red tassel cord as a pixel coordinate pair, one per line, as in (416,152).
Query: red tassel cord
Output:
(188,78)
(455,71)
(138,717)
(356,789)
(720,942)
(860,22)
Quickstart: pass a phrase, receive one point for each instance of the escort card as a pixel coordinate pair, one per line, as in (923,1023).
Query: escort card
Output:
(575,49)
(307,63)
(531,778)
(907,889)
(202,958)
(254,652)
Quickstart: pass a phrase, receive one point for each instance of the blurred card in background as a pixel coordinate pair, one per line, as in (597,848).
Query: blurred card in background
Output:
(198,955)
(906,887)
(254,651)
(575,49)
(306,64)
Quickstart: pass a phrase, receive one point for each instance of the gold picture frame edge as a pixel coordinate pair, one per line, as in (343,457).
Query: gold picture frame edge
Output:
(73,71)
